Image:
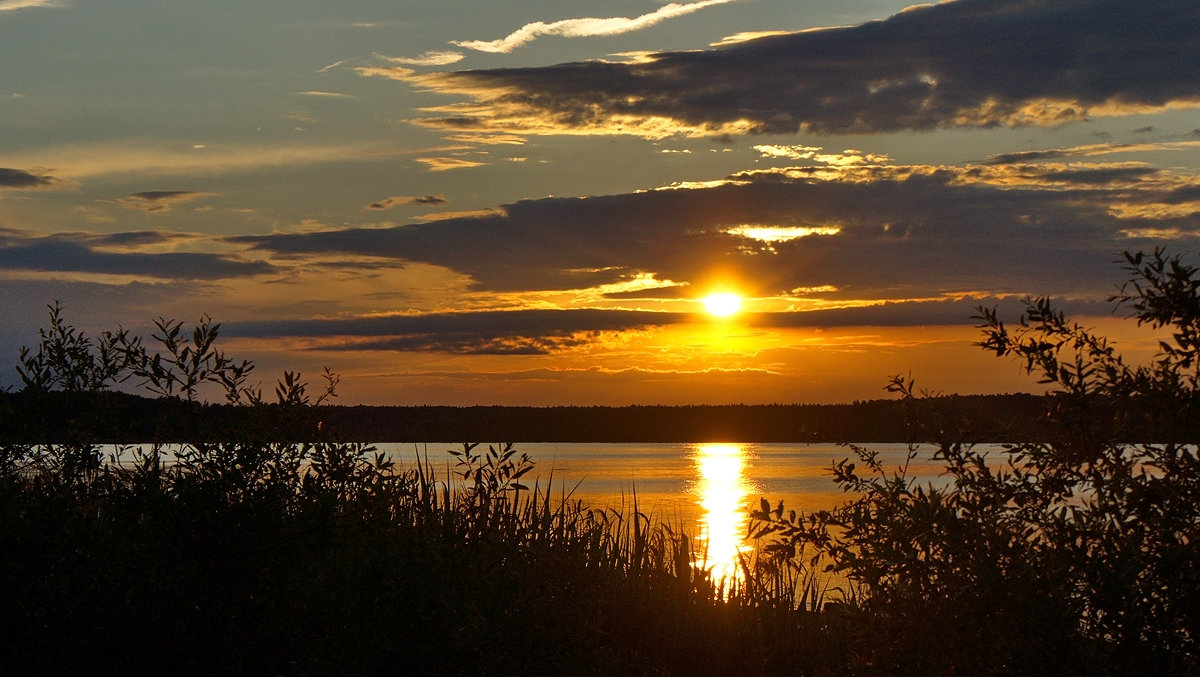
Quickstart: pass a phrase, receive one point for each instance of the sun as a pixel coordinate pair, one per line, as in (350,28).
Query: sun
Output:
(722,304)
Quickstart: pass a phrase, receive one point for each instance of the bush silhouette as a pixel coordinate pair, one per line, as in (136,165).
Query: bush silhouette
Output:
(1074,553)
(269,546)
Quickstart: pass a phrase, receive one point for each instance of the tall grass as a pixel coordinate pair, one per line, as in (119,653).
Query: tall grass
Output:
(329,557)
(270,546)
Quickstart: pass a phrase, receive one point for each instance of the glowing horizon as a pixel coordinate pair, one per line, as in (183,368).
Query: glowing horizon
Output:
(529,203)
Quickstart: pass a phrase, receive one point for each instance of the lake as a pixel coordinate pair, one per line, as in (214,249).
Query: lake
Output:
(706,488)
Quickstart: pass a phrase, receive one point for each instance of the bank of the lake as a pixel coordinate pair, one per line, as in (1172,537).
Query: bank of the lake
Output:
(120,417)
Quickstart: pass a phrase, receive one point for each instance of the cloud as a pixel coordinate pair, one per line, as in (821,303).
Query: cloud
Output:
(500,332)
(586,27)
(846,157)
(159,201)
(330,67)
(136,240)
(978,63)
(539,332)
(919,313)
(746,36)
(1091,150)
(85,253)
(445,164)
(19,178)
(10,5)
(402,200)
(134,156)
(869,232)
(326,95)
(430,58)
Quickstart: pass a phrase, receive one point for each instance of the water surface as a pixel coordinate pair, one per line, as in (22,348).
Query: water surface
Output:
(708,489)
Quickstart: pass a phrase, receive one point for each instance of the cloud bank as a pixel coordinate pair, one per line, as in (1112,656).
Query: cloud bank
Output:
(970,63)
(94,254)
(853,232)
(508,332)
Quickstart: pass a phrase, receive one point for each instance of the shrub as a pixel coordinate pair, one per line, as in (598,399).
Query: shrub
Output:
(1073,553)
(268,546)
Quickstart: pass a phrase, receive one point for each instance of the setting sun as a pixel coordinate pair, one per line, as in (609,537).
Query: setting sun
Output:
(722,304)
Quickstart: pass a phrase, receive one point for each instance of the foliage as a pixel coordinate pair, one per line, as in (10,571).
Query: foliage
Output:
(1075,553)
(270,546)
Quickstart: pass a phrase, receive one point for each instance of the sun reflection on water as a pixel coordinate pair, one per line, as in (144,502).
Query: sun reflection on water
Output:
(720,490)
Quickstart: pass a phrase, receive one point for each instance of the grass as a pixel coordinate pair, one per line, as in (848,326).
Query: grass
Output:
(328,558)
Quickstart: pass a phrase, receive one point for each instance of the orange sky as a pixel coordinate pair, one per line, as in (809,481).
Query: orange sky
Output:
(526,202)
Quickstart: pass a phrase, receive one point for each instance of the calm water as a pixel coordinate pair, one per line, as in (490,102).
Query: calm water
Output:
(707,488)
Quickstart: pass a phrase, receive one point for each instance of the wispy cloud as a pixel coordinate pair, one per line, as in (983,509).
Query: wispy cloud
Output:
(9,5)
(952,64)
(430,58)
(138,156)
(1091,150)
(331,66)
(444,164)
(586,27)
(330,95)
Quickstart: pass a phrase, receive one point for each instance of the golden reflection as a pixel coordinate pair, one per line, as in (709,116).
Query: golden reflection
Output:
(721,490)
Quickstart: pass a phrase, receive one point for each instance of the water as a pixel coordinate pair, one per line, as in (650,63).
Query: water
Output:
(708,489)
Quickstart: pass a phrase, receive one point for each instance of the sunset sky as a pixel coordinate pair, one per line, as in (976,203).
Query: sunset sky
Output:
(463,202)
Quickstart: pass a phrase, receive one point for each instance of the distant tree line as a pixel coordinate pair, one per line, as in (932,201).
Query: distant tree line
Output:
(115,417)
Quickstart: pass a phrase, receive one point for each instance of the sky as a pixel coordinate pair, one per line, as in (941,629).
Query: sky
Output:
(524,203)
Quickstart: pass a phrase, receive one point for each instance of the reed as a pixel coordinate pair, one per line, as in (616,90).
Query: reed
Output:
(329,557)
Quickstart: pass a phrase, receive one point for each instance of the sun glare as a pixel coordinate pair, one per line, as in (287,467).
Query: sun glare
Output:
(722,304)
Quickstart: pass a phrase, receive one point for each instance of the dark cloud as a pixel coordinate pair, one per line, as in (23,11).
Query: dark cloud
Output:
(1024,156)
(162,195)
(401,200)
(920,313)
(467,344)
(18,178)
(1094,175)
(75,253)
(515,332)
(537,332)
(1018,157)
(159,201)
(138,238)
(491,323)
(673,292)
(871,232)
(964,63)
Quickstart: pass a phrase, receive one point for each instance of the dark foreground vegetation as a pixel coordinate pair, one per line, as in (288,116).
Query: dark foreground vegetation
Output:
(1073,554)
